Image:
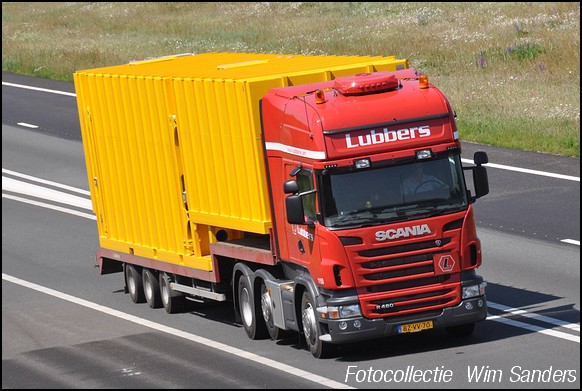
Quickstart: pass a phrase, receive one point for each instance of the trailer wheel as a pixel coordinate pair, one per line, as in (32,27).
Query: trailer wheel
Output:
(172,301)
(151,288)
(463,330)
(133,281)
(312,329)
(250,313)
(268,310)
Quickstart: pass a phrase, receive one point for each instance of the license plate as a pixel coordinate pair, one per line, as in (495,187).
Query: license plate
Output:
(415,327)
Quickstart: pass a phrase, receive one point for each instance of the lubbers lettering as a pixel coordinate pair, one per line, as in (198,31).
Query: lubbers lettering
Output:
(415,230)
(387,136)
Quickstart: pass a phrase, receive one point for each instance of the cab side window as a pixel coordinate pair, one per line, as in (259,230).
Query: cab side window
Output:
(305,182)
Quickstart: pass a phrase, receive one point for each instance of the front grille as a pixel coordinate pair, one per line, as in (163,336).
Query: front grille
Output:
(400,280)
(405,248)
(401,272)
(408,284)
(397,261)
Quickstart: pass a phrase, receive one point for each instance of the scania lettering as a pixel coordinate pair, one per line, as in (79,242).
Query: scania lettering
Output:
(277,183)
(417,230)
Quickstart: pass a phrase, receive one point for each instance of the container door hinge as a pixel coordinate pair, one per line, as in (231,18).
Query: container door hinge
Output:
(172,120)
(189,247)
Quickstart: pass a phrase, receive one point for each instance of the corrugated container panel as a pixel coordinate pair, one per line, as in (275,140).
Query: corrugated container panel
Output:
(165,130)
(223,159)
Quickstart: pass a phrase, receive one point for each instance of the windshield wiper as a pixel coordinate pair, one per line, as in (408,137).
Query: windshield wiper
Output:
(369,216)
(424,209)
(355,218)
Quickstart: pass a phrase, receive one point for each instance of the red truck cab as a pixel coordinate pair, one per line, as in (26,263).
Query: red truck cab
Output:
(378,219)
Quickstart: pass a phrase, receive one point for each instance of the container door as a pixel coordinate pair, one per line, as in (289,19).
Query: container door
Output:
(94,170)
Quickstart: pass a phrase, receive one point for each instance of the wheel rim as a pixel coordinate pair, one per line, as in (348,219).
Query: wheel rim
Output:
(131,285)
(309,323)
(266,305)
(246,307)
(165,293)
(148,289)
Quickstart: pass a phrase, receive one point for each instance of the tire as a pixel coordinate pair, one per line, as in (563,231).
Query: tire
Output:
(250,311)
(267,310)
(151,288)
(172,301)
(312,329)
(463,330)
(133,282)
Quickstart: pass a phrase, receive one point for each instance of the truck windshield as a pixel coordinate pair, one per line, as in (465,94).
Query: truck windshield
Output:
(394,193)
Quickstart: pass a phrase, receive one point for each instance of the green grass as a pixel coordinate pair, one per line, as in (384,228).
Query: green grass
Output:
(510,70)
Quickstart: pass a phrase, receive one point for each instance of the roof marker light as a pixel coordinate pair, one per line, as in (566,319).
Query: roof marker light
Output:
(423,81)
(319,96)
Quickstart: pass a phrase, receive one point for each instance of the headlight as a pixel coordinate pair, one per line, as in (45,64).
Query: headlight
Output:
(340,312)
(349,311)
(474,290)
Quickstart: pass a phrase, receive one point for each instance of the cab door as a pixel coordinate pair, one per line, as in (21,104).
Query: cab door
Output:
(301,238)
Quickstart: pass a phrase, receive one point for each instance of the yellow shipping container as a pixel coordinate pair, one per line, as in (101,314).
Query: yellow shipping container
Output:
(173,146)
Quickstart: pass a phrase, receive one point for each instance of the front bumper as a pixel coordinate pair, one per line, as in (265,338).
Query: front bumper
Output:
(346,330)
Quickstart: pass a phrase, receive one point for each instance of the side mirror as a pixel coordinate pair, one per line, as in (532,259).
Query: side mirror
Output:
(480,179)
(290,187)
(294,208)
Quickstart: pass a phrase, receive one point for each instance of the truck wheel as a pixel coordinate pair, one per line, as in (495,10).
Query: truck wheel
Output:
(268,313)
(133,281)
(151,288)
(312,329)
(171,300)
(463,330)
(250,313)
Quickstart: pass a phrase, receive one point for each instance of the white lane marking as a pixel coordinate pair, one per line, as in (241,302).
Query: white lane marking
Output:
(39,89)
(49,206)
(571,241)
(27,125)
(534,315)
(50,183)
(15,186)
(175,332)
(536,329)
(527,171)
